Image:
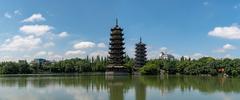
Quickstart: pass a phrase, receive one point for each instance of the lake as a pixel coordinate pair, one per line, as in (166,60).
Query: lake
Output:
(83,87)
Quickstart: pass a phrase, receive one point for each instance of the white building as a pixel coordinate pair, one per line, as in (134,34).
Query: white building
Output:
(166,56)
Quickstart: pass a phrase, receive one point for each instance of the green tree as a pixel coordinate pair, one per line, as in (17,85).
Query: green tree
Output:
(149,69)
(24,67)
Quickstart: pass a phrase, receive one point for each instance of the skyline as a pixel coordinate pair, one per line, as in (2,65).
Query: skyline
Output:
(56,30)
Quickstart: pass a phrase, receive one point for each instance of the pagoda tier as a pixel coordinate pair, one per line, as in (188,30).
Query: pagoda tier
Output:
(116,50)
(116,39)
(114,34)
(120,43)
(140,56)
(112,53)
(140,51)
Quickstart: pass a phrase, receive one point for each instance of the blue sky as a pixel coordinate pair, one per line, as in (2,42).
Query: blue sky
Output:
(55,29)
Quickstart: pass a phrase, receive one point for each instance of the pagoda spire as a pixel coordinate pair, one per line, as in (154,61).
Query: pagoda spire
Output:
(140,39)
(116,22)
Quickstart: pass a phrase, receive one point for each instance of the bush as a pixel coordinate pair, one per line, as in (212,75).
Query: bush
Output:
(149,69)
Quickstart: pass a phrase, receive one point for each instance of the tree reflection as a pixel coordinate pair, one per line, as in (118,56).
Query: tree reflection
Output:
(118,86)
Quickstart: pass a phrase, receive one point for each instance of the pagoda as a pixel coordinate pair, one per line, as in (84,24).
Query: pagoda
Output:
(140,55)
(116,51)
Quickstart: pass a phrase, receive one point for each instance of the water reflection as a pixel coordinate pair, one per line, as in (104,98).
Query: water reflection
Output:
(116,87)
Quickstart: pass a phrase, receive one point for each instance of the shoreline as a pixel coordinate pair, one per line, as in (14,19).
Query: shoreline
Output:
(103,74)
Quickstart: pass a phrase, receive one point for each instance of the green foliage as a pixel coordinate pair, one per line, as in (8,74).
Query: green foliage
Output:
(149,69)
(9,68)
(170,66)
(75,65)
(204,65)
(129,63)
(24,68)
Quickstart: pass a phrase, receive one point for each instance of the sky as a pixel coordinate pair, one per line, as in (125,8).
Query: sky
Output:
(62,29)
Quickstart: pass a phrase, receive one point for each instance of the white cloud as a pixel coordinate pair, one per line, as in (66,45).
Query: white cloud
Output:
(229,47)
(49,44)
(101,45)
(35,38)
(37,30)
(74,52)
(49,53)
(63,34)
(227,56)
(34,18)
(99,53)
(19,43)
(194,56)
(12,14)
(55,57)
(163,49)
(197,55)
(225,48)
(7,15)
(84,45)
(41,53)
(17,12)
(44,53)
(83,95)
(230,32)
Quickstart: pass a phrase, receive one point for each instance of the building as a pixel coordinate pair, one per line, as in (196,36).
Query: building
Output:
(40,62)
(166,56)
(140,55)
(116,51)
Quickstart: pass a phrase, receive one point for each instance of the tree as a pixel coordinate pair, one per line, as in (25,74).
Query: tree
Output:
(10,68)
(24,67)
(149,69)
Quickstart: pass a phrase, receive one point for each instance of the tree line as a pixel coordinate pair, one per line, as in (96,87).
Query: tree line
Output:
(204,65)
(75,65)
(201,66)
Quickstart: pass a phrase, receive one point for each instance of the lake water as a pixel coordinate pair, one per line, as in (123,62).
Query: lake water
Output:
(119,88)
